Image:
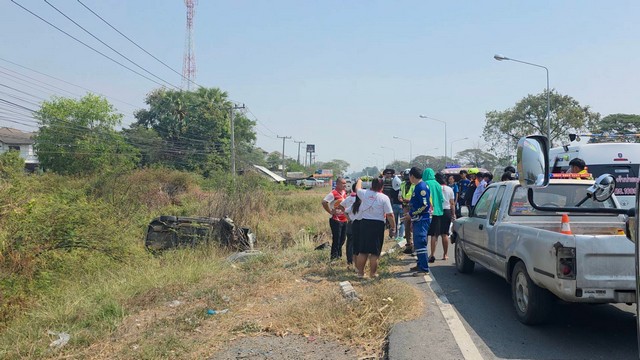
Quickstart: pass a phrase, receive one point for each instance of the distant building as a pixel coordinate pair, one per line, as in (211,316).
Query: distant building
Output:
(14,139)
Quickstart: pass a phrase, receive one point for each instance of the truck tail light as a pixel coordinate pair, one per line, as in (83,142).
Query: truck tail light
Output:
(566,268)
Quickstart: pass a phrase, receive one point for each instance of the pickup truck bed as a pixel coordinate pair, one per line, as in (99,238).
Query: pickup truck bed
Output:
(594,264)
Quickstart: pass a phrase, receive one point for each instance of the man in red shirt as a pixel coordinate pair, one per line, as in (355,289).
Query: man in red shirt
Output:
(338,220)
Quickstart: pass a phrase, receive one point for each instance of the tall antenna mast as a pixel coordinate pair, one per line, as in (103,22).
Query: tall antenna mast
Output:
(189,61)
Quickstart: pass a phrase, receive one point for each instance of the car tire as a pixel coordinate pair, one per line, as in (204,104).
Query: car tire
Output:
(463,263)
(531,302)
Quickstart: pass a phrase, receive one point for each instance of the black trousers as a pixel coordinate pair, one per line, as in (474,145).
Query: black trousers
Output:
(338,234)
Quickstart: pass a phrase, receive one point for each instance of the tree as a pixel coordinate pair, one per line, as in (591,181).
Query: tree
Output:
(428,161)
(478,158)
(399,165)
(196,127)
(11,164)
(339,167)
(79,136)
(617,128)
(503,129)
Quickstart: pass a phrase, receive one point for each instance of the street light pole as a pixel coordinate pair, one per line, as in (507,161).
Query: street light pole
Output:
(451,146)
(445,136)
(392,149)
(502,57)
(410,147)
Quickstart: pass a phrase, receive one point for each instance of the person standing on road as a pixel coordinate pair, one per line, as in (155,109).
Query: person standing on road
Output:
(429,177)
(481,178)
(375,209)
(463,185)
(420,217)
(473,184)
(391,188)
(338,220)
(406,191)
(448,215)
(451,182)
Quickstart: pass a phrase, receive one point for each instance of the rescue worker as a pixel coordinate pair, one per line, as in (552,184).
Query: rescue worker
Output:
(578,166)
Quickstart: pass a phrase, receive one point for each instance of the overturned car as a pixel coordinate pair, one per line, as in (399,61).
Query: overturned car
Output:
(167,232)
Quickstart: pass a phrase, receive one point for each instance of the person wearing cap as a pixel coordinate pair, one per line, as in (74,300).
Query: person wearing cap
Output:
(578,166)
(405,193)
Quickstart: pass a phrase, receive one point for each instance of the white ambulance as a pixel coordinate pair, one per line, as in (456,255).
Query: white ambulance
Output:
(622,160)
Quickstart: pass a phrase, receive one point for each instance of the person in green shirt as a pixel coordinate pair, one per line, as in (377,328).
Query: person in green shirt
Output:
(429,177)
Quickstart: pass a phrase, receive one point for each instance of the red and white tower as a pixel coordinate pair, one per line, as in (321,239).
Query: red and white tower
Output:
(189,60)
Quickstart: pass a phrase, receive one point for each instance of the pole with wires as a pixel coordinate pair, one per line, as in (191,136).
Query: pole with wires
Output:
(233,140)
(284,138)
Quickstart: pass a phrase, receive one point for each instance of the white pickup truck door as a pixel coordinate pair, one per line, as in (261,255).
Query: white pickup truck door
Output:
(496,255)
(476,233)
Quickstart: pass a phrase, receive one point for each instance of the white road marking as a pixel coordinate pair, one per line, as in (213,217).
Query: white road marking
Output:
(463,339)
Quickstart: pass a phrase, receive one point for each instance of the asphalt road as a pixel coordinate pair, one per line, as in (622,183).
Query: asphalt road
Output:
(575,331)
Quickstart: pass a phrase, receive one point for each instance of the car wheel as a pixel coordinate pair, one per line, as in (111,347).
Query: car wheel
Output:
(532,303)
(463,263)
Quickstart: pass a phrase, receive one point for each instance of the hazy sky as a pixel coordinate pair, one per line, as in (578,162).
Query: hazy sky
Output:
(346,76)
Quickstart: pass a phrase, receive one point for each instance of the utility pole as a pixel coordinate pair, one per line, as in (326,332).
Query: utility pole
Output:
(233,140)
(284,138)
(299,142)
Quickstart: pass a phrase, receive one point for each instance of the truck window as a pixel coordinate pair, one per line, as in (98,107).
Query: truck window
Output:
(554,195)
(496,205)
(481,210)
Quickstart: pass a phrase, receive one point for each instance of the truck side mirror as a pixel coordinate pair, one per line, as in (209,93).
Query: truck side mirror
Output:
(533,161)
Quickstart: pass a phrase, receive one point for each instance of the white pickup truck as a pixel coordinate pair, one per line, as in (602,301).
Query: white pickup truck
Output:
(507,235)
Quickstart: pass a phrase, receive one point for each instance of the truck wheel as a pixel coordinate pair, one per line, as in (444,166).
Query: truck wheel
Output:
(463,263)
(532,303)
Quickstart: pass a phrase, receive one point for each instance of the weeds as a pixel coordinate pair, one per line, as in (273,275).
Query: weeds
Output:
(72,260)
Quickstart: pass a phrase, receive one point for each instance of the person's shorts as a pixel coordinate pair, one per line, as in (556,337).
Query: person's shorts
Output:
(445,222)
(434,228)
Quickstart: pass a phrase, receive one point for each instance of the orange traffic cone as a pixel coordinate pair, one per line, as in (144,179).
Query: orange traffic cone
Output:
(565,228)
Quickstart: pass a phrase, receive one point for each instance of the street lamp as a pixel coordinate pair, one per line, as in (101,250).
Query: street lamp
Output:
(502,57)
(451,146)
(445,136)
(392,149)
(410,147)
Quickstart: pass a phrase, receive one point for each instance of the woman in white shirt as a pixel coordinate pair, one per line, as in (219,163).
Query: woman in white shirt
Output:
(449,214)
(351,206)
(375,208)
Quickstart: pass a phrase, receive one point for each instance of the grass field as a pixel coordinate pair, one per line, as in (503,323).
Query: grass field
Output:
(121,302)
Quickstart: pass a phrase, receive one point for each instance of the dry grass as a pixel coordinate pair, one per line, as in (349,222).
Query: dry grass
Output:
(128,312)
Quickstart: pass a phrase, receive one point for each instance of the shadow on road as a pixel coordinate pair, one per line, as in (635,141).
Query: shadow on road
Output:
(574,331)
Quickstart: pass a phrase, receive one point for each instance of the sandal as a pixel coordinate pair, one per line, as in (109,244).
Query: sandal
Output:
(445,257)
(432,259)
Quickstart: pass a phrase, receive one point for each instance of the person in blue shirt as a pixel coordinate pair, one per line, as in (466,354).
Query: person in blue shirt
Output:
(420,219)
(463,185)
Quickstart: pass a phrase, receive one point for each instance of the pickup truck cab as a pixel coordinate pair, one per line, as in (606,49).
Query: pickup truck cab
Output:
(538,255)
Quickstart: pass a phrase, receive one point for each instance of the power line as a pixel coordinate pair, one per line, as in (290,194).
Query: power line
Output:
(66,82)
(107,45)
(85,44)
(136,44)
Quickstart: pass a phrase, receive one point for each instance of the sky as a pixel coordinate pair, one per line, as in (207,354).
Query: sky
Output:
(346,76)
